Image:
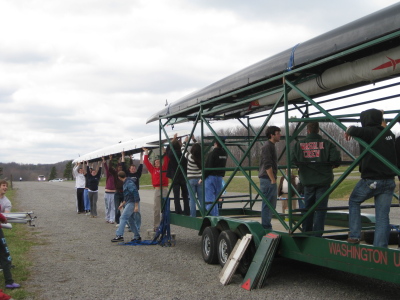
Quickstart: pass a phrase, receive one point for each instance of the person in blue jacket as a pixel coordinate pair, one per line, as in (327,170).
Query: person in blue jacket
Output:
(131,212)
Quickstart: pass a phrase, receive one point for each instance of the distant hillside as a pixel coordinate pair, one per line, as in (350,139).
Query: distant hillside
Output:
(30,171)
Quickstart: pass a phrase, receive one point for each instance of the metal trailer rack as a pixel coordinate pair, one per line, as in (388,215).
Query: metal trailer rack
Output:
(287,82)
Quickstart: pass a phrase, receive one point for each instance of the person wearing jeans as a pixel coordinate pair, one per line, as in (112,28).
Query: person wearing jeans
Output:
(316,157)
(197,188)
(109,205)
(382,191)
(270,192)
(377,179)
(213,186)
(213,178)
(131,213)
(268,174)
(93,179)
(316,221)
(195,185)
(118,195)
(5,258)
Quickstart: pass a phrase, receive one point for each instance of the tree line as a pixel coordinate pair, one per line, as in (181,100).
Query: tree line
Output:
(331,129)
(64,169)
(32,171)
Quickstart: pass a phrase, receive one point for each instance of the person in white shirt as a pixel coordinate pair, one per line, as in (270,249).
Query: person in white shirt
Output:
(80,188)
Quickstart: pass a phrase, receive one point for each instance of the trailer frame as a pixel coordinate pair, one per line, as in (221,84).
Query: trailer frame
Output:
(332,250)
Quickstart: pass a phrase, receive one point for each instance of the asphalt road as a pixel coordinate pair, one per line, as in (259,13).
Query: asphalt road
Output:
(74,259)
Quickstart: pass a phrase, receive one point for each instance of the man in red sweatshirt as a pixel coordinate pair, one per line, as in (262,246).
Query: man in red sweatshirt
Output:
(160,183)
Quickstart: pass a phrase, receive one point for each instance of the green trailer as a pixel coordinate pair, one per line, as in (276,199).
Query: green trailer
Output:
(293,83)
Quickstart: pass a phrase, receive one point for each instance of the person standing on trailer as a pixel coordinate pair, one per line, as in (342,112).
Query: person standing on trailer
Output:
(160,187)
(213,178)
(109,194)
(268,174)
(193,157)
(377,180)
(80,187)
(178,180)
(316,157)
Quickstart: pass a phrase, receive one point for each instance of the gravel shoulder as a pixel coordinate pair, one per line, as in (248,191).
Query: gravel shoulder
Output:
(76,260)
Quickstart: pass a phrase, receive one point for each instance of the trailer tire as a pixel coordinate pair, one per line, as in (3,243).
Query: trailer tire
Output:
(370,234)
(226,242)
(209,242)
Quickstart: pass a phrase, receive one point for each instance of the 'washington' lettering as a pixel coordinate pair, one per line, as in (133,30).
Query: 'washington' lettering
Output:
(360,253)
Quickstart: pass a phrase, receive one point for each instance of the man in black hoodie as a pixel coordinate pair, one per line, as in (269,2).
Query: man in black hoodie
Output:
(377,179)
(213,178)
(178,180)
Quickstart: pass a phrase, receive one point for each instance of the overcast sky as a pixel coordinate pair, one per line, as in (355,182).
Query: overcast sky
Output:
(78,75)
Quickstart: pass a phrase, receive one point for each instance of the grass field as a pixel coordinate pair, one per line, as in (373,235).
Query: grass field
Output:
(240,184)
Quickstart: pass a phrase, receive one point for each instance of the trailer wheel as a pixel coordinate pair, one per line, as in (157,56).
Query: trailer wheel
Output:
(209,241)
(226,242)
(370,234)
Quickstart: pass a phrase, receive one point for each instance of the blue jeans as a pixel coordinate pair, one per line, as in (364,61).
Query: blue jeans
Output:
(197,190)
(5,259)
(86,199)
(213,186)
(301,203)
(383,195)
(270,192)
(315,221)
(134,220)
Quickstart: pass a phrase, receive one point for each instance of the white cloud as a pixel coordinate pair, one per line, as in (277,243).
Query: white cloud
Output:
(78,75)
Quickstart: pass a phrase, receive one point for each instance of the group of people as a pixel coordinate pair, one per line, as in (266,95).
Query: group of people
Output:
(316,157)
(122,185)
(180,161)
(121,194)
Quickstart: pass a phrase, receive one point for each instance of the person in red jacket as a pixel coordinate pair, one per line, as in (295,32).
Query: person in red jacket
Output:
(160,183)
